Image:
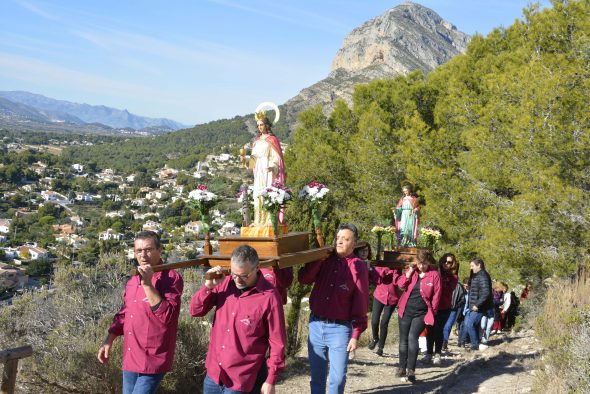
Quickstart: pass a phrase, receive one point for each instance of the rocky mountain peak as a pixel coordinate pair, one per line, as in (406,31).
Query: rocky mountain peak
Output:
(404,38)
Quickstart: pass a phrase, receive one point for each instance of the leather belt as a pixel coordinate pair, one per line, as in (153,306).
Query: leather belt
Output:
(330,321)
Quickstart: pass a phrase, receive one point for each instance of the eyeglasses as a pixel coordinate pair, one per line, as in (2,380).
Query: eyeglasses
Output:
(147,250)
(241,277)
(449,262)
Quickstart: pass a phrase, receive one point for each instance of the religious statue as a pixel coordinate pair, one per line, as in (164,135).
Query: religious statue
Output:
(407,218)
(269,167)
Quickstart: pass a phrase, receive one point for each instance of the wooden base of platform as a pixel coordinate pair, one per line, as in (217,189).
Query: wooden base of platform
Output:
(398,258)
(279,252)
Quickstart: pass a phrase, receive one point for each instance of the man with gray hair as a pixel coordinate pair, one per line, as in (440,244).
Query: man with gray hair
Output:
(248,321)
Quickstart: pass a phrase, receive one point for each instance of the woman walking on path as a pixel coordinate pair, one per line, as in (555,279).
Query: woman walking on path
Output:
(448,267)
(385,298)
(417,307)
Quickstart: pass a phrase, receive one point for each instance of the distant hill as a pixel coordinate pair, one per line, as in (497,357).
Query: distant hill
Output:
(65,111)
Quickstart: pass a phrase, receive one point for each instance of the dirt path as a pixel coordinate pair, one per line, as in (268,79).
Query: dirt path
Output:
(506,367)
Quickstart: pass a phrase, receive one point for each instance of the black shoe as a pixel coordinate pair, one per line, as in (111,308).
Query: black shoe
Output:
(372,344)
(445,347)
(460,344)
(379,352)
(411,377)
(400,373)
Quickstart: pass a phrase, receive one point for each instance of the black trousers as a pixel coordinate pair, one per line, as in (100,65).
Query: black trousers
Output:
(380,323)
(410,328)
(434,336)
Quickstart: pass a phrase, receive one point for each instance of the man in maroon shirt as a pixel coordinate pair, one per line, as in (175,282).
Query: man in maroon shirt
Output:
(248,320)
(148,320)
(339,302)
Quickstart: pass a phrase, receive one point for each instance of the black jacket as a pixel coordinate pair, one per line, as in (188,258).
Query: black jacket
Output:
(480,291)
(458,297)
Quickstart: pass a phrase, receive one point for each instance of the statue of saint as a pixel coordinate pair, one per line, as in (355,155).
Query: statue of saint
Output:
(269,166)
(407,218)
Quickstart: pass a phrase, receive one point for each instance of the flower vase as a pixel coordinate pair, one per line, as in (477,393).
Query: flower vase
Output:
(207,247)
(317,226)
(274,220)
(379,237)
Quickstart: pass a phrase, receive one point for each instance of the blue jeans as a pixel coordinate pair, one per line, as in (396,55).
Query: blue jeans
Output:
(487,322)
(449,325)
(328,341)
(472,321)
(141,383)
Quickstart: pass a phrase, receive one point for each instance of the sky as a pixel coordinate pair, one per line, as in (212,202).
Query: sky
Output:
(194,61)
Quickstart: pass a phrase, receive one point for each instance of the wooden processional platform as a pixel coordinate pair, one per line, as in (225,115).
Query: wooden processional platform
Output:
(282,251)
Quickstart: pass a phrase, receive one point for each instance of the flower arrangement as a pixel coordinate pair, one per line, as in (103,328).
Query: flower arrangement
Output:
(378,229)
(314,192)
(429,237)
(202,200)
(273,198)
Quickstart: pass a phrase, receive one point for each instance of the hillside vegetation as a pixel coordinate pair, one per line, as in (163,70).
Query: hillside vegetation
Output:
(496,142)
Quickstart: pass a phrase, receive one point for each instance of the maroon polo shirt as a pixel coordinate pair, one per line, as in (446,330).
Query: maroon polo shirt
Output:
(281,279)
(246,324)
(340,291)
(149,337)
(386,291)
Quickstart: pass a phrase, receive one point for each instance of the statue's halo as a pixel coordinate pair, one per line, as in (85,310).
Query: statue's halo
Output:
(269,105)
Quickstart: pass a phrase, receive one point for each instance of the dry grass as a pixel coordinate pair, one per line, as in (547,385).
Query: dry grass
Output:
(563,327)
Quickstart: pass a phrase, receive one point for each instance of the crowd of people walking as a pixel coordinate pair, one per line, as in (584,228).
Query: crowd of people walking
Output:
(247,345)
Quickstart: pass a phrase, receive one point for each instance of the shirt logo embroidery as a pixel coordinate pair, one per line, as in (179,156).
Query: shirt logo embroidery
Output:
(145,300)
(269,276)
(344,287)
(246,321)
(429,284)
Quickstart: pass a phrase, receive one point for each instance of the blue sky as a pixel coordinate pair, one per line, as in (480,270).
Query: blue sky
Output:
(194,61)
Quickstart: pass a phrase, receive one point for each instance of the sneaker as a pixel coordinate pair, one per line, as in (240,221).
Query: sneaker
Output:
(461,345)
(436,360)
(400,373)
(426,359)
(379,352)
(372,344)
(445,347)
(483,346)
(411,377)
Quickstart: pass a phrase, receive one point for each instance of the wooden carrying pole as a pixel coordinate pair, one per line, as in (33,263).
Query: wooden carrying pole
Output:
(283,261)
(10,359)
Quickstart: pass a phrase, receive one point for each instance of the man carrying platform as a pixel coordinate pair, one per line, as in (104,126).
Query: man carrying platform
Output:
(249,321)
(148,320)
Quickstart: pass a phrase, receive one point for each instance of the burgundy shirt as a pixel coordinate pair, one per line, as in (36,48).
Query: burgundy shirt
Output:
(281,279)
(341,290)
(386,291)
(149,337)
(448,283)
(245,325)
(430,290)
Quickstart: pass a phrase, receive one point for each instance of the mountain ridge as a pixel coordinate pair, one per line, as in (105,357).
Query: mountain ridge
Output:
(76,113)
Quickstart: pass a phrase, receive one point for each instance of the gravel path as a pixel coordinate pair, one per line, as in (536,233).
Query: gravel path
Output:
(506,367)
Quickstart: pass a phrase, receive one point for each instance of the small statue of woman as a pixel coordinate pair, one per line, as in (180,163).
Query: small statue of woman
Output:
(407,218)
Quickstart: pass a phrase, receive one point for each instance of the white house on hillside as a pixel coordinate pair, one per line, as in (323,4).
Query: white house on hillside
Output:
(5,225)
(110,234)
